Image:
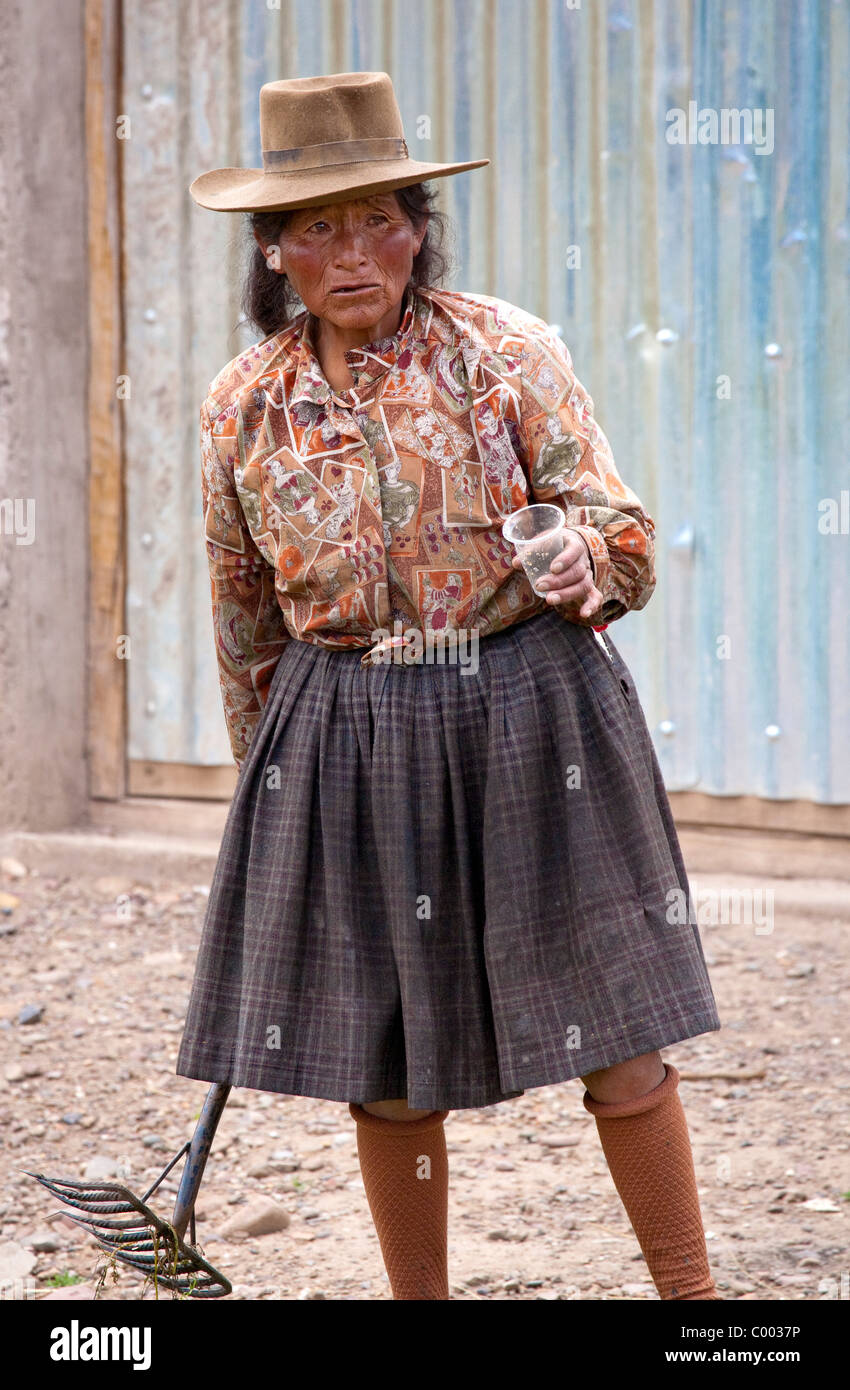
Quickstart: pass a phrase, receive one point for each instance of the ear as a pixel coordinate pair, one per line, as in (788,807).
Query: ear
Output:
(271,253)
(420,235)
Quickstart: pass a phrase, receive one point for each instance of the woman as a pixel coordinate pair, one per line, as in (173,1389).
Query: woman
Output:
(441,882)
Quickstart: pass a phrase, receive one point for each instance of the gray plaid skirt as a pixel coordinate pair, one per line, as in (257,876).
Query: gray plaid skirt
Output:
(446,884)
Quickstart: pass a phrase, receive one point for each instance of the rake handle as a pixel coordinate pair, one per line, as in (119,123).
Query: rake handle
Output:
(199,1151)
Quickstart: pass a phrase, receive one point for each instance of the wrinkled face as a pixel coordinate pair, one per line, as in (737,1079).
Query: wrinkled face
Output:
(350,261)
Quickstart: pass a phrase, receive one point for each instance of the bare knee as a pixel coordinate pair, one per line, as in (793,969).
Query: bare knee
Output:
(395,1110)
(626,1080)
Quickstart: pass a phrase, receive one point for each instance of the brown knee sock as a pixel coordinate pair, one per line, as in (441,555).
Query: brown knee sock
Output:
(648,1151)
(406,1176)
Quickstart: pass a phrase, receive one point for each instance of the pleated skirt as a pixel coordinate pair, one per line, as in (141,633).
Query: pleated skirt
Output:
(446,883)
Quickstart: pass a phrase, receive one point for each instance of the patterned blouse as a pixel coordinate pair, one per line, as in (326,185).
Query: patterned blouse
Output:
(336,517)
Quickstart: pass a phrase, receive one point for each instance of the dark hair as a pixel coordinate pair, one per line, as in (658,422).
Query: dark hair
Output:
(268,299)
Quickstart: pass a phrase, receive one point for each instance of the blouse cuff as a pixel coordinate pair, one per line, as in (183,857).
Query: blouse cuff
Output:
(600,558)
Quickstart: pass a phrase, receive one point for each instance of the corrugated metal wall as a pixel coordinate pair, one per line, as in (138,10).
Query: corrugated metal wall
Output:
(702,289)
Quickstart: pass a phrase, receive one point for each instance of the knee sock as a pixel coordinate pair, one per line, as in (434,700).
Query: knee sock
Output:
(648,1151)
(406,1176)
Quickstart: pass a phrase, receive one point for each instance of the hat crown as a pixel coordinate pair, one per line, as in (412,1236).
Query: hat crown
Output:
(302,111)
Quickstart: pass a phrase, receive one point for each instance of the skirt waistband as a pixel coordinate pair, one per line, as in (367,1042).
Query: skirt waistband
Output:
(425,647)
(391,650)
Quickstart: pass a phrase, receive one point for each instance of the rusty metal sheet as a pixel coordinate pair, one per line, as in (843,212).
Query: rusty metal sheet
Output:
(702,289)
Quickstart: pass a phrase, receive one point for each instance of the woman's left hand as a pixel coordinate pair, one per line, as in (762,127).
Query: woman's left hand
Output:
(570,577)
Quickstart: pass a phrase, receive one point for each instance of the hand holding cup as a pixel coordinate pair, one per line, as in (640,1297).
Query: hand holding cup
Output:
(538,534)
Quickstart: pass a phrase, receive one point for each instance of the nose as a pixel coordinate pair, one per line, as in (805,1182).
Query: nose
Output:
(351,247)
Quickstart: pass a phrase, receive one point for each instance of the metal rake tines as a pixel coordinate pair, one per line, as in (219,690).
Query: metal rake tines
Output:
(105,1198)
(143,1241)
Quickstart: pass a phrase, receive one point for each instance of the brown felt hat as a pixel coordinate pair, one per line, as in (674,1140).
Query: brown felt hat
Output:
(324,139)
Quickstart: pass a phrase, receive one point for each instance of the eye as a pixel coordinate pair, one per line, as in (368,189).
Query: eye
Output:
(313,225)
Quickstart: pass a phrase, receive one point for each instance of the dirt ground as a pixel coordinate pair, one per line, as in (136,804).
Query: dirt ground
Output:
(533,1212)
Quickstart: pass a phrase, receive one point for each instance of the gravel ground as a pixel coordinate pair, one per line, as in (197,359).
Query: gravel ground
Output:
(100,968)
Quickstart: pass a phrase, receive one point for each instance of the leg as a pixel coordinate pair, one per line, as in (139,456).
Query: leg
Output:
(626,1080)
(395,1110)
(644,1136)
(405,1172)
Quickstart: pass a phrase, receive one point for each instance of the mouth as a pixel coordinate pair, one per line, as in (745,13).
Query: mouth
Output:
(353,289)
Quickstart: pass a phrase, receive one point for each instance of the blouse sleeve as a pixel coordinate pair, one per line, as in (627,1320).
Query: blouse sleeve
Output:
(569,463)
(248,623)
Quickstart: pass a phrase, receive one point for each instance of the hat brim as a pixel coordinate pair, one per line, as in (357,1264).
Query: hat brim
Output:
(252,190)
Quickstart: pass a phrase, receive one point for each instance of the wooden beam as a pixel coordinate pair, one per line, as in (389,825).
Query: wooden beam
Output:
(759,813)
(107,579)
(181,780)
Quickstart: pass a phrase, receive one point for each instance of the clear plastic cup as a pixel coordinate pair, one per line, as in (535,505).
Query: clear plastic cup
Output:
(537,534)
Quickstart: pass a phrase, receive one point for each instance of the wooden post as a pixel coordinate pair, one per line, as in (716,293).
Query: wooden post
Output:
(106,669)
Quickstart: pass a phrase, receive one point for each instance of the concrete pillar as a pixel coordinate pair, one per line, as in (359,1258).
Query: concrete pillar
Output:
(43,416)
